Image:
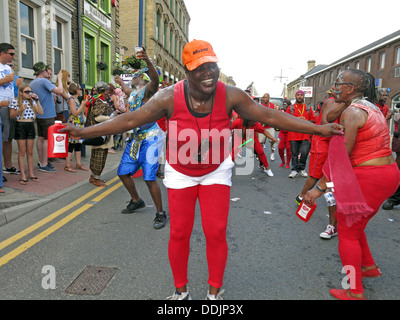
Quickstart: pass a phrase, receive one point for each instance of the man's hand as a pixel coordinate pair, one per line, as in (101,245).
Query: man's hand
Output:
(74,131)
(330,129)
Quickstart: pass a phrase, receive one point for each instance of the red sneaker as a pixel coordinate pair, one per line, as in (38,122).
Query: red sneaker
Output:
(371,273)
(341,294)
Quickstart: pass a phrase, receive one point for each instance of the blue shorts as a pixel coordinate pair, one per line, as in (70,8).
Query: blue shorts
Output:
(149,152)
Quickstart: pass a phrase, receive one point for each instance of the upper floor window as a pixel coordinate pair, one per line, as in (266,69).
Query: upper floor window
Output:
(27,32)
(382,60)
(58,47)
(368,66)
(398,55)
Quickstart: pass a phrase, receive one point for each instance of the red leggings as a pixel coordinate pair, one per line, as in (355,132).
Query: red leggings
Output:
(377,184)
(214,207)
(284,144)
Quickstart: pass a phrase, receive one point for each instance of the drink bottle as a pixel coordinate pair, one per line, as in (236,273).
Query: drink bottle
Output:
(304,212)
(57,142)
(329,197)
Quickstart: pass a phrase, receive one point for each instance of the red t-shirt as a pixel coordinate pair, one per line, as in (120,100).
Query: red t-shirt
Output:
(384,109)
(321,144)
(187,132)
(300,110)
(257,127)
(271,106)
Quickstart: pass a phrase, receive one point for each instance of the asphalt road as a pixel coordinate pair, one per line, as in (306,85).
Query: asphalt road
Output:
(273,255)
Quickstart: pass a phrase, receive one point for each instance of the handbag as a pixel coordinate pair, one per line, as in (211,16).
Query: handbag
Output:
(98,141)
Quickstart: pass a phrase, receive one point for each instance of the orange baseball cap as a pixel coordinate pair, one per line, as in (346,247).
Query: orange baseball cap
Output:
(197,52)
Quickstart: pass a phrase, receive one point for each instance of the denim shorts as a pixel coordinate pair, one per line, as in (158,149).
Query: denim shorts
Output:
(150,150)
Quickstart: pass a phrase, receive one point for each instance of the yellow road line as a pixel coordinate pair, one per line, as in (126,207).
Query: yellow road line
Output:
(54,215)
(25,246)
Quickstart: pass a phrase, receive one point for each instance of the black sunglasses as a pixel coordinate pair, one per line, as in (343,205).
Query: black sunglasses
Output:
(27,91)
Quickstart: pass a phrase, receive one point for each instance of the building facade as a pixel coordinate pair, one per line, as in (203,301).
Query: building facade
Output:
(72,35)
(380,58)
(164,31)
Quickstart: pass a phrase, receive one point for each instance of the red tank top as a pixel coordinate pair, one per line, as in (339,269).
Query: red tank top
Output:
(321,144)
(188,135)
(373,140)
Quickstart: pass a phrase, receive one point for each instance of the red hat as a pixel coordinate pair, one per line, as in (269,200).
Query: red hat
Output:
(197,52)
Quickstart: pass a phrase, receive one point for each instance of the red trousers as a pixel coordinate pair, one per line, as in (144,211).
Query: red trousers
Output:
(377,184)
(284,144)
(214,207)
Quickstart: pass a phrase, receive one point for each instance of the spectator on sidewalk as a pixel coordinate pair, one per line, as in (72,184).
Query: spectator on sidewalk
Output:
(99,111)
(24,110)
(76,117)
(44,89)
(7,78)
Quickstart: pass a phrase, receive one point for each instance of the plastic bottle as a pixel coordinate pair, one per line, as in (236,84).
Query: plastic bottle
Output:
(329,197)
(57,142)
(276,143)
(304,212)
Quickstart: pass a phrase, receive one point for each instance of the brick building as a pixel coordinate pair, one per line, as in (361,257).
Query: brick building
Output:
(381,58)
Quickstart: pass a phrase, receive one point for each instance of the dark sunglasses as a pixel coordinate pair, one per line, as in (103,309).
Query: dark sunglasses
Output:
(11,53)
(27,91)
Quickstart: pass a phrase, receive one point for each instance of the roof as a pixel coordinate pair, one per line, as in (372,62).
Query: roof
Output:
(370,47)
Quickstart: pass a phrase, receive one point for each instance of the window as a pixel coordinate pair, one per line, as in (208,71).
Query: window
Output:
(368,67)
(398,55)
(27,31)
(58,47)
(105,5)
(170,40)
(105,57)
(382,60)
(89,66)
(158,26)
(358,65)
(165,33)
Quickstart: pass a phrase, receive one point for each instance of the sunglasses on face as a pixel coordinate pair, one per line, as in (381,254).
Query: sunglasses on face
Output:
(11,53)
(28,91)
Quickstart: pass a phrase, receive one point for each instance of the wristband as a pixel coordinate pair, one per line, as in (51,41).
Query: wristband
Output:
(320,189)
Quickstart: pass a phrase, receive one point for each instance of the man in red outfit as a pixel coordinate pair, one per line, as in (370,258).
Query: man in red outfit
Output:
(382,96)
(261,137)
(300,143)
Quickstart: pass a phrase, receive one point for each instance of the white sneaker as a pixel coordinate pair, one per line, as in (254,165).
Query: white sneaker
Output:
(269,172)
(293,174)
(216,296)
(272,156)
(329,232)
(180,296)
(303,173)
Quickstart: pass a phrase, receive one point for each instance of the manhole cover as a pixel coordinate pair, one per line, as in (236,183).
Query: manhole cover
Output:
(91,281)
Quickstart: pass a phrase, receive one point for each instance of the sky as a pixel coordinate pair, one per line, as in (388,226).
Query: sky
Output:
(262,40)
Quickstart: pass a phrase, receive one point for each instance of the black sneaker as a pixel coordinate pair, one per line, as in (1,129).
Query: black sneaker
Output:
(132,206)
(11,170)
(160,220)
(388,205)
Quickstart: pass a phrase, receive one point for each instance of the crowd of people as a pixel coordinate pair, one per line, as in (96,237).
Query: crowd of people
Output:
(196,108)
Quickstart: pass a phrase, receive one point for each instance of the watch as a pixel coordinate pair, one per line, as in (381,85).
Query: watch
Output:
(320,189)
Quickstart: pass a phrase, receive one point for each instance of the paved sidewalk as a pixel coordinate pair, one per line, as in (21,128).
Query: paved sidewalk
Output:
(21,199)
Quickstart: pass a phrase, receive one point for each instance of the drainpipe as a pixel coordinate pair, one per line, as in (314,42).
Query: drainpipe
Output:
(79,14)
(140,23)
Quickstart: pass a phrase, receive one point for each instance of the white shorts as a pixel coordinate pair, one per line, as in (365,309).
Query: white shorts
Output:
(176,180)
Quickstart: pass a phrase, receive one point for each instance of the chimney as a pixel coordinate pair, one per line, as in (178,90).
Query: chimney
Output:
(311,64)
